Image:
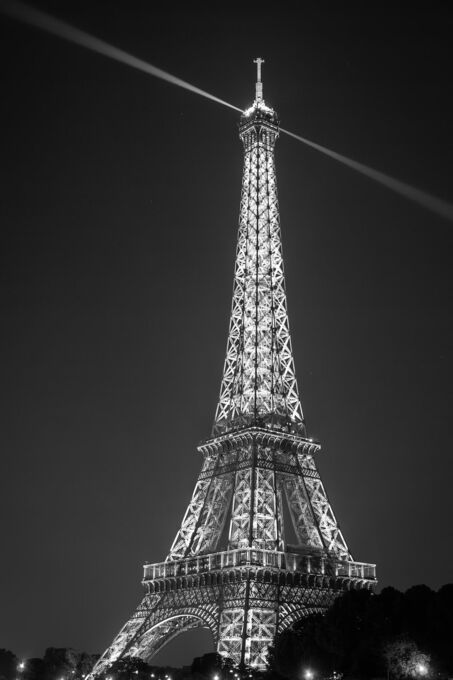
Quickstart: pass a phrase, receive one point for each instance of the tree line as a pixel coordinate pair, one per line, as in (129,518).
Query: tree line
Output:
(364,635)
(391,635)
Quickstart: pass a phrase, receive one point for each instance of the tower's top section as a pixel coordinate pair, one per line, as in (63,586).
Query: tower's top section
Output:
(259,387)
(259,111)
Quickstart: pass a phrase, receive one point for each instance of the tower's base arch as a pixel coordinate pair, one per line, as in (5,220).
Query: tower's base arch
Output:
(166,626)
(243,614)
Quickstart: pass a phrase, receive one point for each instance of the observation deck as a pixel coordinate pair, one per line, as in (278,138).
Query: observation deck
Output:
(264,565)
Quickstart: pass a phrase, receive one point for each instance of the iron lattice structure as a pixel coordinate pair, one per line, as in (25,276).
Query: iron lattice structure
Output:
(230,567)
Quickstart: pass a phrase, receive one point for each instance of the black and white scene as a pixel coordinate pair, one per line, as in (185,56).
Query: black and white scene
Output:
(226,347)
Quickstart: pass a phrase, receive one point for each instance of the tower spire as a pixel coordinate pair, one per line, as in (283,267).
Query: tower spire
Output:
(259,85)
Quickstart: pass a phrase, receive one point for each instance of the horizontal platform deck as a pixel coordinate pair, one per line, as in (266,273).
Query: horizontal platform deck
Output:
(270,560)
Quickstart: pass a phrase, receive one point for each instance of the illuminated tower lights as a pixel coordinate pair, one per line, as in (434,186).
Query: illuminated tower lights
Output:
(230,568)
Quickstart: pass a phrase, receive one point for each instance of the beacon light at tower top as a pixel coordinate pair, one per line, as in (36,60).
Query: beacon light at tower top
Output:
(258,106)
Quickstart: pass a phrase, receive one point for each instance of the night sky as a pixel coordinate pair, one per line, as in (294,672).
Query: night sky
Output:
(119,209)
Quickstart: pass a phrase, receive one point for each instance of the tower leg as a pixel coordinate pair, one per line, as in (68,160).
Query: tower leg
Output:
(158,620)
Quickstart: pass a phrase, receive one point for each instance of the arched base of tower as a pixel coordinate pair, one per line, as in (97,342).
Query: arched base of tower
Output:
(160,635)
(182,650)
(157,621)
(243,605)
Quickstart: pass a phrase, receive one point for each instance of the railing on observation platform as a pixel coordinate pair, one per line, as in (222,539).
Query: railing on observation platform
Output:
(268,559)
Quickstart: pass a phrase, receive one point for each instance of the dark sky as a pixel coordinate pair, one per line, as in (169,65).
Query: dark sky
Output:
(119,207)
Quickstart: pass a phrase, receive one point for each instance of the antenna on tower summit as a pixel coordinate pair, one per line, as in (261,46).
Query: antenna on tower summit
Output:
(259,85)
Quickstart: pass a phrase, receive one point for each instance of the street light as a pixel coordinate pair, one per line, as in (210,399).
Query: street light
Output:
(308,675)
(421,668)
(21,666)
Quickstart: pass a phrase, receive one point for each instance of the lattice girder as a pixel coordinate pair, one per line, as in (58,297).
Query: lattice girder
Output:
(252,471)
(253,467)
(241,603)
(332,537)
(302,515)
(182,544)
(246,583)
(259,382)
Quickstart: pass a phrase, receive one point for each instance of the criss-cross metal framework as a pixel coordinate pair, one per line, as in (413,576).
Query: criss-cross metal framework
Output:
(259,380)
(230,568)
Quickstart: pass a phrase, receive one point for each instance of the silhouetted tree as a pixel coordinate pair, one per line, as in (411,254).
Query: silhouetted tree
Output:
(128,668)
(298,647)
(8,665)
(405,660)
(355,635)
(61,662)
(442,648)
(57,663)
(209,665)
(35,669)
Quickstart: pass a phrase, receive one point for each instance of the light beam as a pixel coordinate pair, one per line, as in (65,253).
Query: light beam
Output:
(34,17)
(46,22)
(432,203)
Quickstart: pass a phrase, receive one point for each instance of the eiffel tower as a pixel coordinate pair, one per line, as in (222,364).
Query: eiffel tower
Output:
(230,568)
